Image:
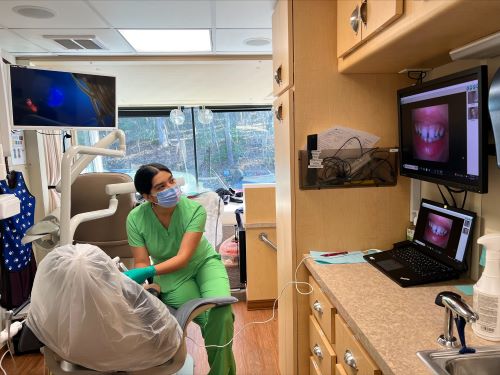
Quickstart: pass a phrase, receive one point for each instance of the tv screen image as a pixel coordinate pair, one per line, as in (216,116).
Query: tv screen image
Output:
(443,130)
(438,230)
(431,139)
(54,99)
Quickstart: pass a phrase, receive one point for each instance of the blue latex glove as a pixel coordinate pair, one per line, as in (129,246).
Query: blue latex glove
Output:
(139,275)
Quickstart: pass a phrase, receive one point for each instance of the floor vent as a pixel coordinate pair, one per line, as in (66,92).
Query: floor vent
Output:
(77,42)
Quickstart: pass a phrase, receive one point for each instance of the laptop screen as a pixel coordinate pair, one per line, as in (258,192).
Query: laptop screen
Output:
(444,232)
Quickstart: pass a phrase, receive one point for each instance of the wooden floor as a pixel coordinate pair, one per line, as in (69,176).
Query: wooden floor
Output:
(255,349)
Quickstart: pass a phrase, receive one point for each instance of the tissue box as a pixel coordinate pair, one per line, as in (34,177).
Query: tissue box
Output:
(9,206)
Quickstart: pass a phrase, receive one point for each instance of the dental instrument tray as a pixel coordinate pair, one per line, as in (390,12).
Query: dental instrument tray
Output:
(344,168)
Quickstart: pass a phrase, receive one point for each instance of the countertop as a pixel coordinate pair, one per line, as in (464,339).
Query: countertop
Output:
(392,323)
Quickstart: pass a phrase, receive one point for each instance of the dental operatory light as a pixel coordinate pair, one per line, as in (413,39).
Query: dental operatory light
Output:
(169,41)
(205,116)
(177,116)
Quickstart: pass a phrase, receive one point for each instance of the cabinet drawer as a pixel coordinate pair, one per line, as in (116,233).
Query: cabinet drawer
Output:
(320,348)
(322,310)
(339,370)
(313,367)
(346,344)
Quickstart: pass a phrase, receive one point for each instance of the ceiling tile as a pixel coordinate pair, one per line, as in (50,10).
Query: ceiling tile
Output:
(155,14)
(13,43)
(244,13)
(111,39)
(69,14)
(233,40)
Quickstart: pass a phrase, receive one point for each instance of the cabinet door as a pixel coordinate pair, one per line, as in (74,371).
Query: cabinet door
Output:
(262,280)
(353,357)
(284,166)
(378,14)
(282,47)
(347,37)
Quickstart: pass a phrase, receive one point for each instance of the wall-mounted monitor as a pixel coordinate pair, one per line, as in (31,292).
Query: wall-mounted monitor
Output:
(49,99)
(443,126)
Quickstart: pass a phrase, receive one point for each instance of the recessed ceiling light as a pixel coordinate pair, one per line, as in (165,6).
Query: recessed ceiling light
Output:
(257,42)
(32,11)
(169,40)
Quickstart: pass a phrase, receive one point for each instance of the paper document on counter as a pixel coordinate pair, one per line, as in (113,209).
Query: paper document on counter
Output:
(349,258)
(337,137)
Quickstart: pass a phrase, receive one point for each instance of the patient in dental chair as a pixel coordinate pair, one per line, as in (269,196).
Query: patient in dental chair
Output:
(89,313)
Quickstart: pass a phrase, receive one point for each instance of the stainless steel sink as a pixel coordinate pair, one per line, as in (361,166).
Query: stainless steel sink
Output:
(486,361)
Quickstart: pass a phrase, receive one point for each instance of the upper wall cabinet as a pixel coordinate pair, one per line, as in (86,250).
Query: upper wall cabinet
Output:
(282,47)
(358,20)
(421,37)
(348,26)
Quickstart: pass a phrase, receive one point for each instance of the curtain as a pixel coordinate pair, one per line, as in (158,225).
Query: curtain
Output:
(52,142)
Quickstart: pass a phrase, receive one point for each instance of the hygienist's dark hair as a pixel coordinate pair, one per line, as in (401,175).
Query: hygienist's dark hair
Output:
(143,180)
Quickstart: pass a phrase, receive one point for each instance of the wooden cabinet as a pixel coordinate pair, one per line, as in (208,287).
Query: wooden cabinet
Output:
(352,356)
(322,310)
(358,20)
(422,36)
(333,347)
(379,14)
(348,34)
(282,47)
(262,279)
(260,218)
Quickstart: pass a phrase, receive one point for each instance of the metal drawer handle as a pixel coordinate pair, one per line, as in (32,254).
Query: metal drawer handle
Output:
(350,360)
(277,76)
(317,306)
(354,19)
(363,12)
(317,351)
(278,112)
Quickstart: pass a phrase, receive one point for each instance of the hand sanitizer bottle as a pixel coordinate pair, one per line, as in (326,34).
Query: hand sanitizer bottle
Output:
(487,291)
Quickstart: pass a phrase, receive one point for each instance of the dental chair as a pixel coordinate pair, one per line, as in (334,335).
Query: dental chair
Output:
(184,315)
(88,193)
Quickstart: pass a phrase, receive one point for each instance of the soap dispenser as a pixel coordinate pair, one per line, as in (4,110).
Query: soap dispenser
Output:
(487,291)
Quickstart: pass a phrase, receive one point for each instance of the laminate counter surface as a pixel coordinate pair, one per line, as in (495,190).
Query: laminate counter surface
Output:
(392,323)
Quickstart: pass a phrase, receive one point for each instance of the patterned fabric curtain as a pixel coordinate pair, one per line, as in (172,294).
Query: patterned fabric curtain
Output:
(53,156)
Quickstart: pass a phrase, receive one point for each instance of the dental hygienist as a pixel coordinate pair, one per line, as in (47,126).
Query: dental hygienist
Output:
(169,228)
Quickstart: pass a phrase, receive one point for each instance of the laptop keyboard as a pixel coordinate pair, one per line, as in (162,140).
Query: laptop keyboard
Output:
(419,263)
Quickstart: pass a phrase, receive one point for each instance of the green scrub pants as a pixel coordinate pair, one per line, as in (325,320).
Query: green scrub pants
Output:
(217,324)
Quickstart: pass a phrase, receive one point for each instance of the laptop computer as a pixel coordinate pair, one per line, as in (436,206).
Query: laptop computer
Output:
(437,252)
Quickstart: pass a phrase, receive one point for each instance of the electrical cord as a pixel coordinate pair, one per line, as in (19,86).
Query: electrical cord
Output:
(337,170)
(1,360)
(445,201)
(293,282)
(451,195)
(417,75)
(465,198)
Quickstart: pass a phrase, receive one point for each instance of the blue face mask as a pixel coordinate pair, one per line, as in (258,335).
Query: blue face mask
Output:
(169,197)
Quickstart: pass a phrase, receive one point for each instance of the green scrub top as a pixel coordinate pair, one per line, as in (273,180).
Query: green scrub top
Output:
(144,229)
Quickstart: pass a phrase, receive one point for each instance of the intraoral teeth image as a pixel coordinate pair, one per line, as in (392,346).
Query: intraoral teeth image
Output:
(438,230)
(430,133)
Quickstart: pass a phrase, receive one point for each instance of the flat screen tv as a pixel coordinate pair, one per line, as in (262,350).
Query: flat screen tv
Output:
(49,99)
(443,127)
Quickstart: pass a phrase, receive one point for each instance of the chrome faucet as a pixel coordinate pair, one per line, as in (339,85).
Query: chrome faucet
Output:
(455,309)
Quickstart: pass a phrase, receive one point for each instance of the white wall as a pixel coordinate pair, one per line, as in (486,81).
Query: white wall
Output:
(163,83)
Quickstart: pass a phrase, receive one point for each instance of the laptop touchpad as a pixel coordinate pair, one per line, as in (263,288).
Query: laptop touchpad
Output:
(389,264)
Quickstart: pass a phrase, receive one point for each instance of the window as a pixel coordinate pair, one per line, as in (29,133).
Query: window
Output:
(237,147)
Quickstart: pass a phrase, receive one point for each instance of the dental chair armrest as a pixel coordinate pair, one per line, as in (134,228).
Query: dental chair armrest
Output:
(193,308)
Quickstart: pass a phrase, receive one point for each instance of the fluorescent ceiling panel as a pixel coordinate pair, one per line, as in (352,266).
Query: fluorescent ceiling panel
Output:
(169,40)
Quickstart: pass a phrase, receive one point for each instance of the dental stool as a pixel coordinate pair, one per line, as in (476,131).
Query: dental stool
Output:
(184,315)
